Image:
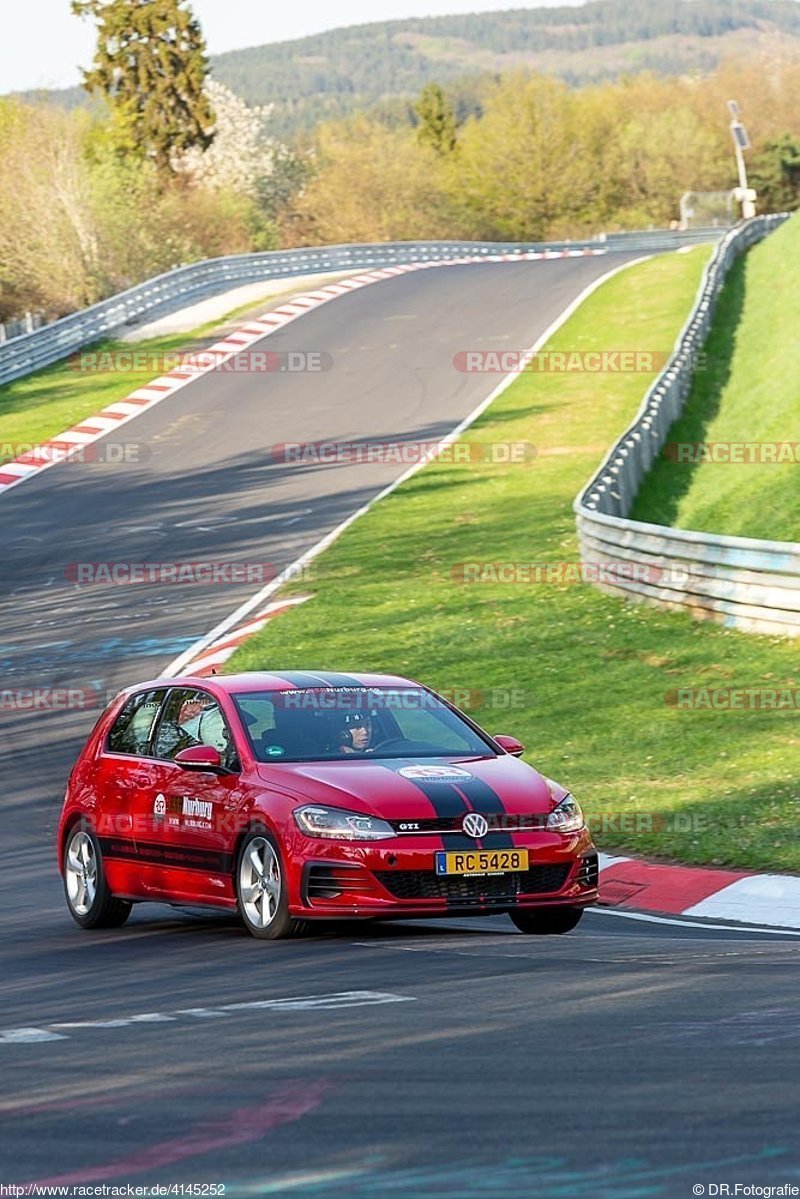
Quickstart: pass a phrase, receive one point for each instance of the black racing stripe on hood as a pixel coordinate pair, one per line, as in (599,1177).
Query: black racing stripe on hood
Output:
(445,800)
(484,799)
(302,678)
(332,679)
(447,803)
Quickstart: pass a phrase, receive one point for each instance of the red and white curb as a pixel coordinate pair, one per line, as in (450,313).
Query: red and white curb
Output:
(771,900)
(215,655)
(73,441)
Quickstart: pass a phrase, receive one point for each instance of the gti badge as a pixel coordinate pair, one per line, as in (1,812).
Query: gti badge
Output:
(475,825)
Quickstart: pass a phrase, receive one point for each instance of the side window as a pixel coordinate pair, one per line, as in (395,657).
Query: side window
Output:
(130,733)
(258,716)
(194,718)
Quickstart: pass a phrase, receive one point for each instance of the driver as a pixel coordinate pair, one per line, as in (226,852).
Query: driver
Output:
(356,733)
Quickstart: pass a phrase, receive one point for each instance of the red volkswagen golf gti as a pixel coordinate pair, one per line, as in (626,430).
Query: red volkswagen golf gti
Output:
(300,796)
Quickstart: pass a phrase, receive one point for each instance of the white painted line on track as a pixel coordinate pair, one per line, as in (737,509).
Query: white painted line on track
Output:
(179,665)
(29,1036)
(315,1002)
(337,1001)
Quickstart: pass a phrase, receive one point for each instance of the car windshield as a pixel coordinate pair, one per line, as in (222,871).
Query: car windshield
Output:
(342,723)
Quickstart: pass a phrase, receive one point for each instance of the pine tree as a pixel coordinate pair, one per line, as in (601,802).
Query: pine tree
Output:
(437,122)
(151,65)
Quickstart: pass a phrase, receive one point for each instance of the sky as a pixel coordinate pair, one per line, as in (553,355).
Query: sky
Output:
(43,45)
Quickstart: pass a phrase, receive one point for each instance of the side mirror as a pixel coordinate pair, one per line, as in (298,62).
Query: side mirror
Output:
(199,758)
(510,745)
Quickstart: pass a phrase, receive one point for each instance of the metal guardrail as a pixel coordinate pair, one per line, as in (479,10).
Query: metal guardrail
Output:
(175,289)
(740,582)
(26,324)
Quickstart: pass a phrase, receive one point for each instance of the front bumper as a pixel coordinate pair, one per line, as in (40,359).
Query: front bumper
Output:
(337,881)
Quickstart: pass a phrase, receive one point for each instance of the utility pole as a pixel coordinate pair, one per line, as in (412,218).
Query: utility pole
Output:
(741,142)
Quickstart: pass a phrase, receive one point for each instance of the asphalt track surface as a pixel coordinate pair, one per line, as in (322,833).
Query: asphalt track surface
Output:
(626,1059)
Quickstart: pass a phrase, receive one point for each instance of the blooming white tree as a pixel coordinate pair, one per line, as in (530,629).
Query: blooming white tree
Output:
(241,153)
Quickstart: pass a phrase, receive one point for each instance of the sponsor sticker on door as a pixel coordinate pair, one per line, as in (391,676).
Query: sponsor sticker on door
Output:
(199,809)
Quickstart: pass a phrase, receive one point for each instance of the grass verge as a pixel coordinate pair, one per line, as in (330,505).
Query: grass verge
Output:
(746,395)
(588,675)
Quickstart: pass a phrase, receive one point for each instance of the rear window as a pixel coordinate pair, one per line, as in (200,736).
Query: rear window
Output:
(132,730)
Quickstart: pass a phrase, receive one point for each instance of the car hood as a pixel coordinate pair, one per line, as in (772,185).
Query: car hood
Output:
(401,789)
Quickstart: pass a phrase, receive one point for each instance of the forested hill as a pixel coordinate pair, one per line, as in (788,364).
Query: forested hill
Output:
(334,73)
(337,72)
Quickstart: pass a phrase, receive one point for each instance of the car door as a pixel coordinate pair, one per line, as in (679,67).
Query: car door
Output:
(124,778)
(193,813)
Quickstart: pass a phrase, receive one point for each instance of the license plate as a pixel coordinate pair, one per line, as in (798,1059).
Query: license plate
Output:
(482,861)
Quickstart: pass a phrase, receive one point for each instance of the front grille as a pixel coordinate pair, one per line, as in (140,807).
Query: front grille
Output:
(424,884)
(328,882)
(499,822)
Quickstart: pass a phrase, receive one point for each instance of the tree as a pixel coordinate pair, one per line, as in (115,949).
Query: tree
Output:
(437,122)
(524,170)
(370,184)
(48,241)
(241,154)
(291,171)
(151,65)
(775,174)
(78,223)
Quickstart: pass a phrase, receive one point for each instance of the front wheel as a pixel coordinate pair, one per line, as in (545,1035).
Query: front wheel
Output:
(261,889)
(547,922)
(90,903)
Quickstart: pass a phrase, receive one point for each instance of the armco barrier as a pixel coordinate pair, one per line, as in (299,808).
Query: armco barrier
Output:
(166,293)
(740,582)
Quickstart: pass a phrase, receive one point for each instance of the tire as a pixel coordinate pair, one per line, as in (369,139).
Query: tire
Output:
(261,891)
(90,903)
(547,922)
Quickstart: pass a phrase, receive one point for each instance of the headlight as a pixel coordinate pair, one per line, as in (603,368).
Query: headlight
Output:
(566,818)
(341,825)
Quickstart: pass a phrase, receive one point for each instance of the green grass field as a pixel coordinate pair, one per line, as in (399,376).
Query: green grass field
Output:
(749,393)
(591,672)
